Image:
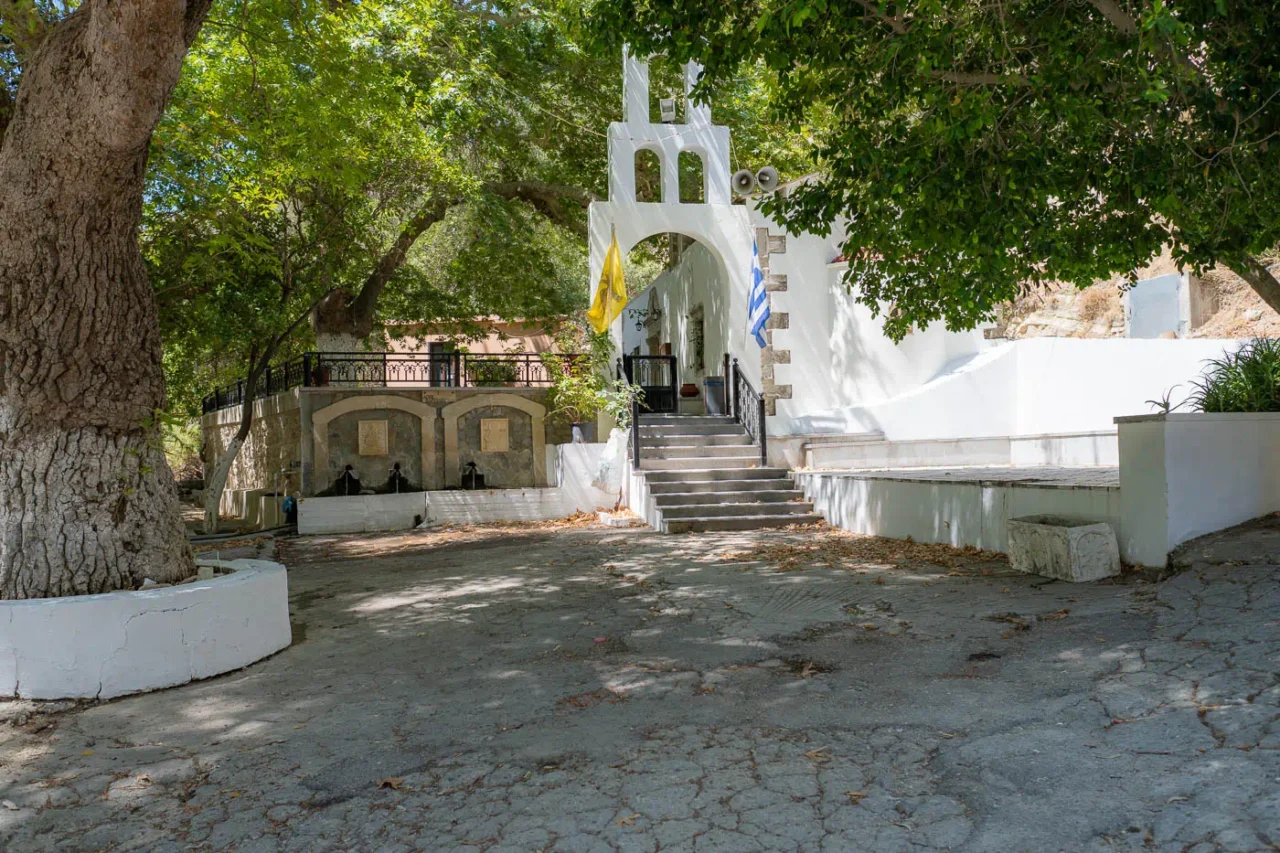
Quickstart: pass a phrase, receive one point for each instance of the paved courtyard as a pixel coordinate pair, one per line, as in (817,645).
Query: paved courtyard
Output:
(590,689)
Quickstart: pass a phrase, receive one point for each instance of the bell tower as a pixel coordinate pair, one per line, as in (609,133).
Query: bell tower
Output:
(635,133)
(722,227)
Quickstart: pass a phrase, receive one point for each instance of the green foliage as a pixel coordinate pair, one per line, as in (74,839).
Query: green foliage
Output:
(302,138)
(492,373)
(583,382)
(1247,380)
(973,148)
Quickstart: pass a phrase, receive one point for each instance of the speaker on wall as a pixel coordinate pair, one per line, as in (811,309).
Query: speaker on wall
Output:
(744,182)
(767,179)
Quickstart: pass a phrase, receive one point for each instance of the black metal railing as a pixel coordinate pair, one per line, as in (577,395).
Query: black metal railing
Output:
(748,410)
(656,376)
(432,370)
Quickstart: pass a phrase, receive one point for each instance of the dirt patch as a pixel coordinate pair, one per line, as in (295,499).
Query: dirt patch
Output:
(832,548)
(804,668)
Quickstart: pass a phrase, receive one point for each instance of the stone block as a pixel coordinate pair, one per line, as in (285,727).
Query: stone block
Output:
(778,245)
(778,320)
(775,283)
(1067,549)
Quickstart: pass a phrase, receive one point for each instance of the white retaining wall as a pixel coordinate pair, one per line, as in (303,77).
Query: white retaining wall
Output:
(360,513)
(1032,387)
(958,514)
(487,506)
(574,468)
(99,646)
(1187,474)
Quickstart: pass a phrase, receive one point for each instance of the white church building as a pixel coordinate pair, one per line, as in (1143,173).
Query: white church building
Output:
(943,437)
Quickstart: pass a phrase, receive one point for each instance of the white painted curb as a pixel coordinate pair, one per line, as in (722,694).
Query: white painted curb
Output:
(99,646)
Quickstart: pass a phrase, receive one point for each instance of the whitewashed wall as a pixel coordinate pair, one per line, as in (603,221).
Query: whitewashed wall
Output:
(1038,386)
(1185,475)
(698,279)
(115,643)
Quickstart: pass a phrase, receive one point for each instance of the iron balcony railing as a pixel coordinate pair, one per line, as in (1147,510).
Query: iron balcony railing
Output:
(376,369)
(747,408)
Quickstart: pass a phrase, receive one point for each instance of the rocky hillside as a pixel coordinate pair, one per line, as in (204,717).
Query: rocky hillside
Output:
(1097,311)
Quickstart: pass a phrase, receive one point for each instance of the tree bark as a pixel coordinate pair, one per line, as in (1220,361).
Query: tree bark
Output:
(1260,279)
(87,501)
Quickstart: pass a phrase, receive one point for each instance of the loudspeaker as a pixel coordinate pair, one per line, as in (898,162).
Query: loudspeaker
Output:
(767,179)
(744,182)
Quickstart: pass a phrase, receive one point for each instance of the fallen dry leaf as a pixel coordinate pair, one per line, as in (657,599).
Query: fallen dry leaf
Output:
(1055,616)
(392,782)
(629,820)
(855,797)
(819,755)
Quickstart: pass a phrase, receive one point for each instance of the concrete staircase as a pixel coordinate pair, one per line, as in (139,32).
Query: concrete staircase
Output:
(703,473)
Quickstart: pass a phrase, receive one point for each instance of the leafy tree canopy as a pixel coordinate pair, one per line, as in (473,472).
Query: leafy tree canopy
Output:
(975,147)
(311,149)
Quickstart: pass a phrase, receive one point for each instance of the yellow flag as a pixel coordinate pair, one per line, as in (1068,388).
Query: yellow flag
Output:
(611,292)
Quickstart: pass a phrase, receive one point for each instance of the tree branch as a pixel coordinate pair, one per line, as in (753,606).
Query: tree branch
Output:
(1119,18)
(362,307)
(873,9)
(547,199)
(980,78)
(1260,279)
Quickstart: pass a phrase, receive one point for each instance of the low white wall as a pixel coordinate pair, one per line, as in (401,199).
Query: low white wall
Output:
(574,468)
(1032,387)
(958,514)
(360,513)
(99,646)
(1183,475)
(487,506)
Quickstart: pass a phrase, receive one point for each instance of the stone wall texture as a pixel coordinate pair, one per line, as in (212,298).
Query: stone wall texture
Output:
(509,470)
(273,443)
(404,445)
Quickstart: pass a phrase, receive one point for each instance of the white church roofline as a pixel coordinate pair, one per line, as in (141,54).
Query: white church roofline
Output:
(721,226)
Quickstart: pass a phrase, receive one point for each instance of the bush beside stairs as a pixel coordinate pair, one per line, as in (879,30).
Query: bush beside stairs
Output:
(702,473)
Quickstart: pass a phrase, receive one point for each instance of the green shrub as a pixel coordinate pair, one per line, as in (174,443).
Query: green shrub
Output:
(492,373)
(1247,380)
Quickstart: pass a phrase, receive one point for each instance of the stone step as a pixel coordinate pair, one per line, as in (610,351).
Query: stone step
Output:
(743,522)
(692,474)
(699,463)
(710,497)
(683,440)
(699,451)
(735,510)
(678,487)
(670,420)
(647,431)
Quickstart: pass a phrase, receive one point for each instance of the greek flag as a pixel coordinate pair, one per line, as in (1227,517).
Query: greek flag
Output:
(758,301)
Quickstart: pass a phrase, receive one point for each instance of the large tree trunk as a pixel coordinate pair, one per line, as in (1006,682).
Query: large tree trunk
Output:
(87,501)
(340,326)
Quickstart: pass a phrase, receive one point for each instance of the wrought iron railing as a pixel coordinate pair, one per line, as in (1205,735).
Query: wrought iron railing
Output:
(375,369)
(748,410)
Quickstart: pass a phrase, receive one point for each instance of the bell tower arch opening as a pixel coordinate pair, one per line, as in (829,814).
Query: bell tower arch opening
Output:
(672,178)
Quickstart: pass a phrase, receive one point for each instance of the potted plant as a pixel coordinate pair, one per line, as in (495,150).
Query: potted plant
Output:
(581,387)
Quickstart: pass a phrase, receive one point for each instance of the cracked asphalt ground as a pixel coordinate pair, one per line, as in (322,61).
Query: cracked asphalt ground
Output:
(589,689)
